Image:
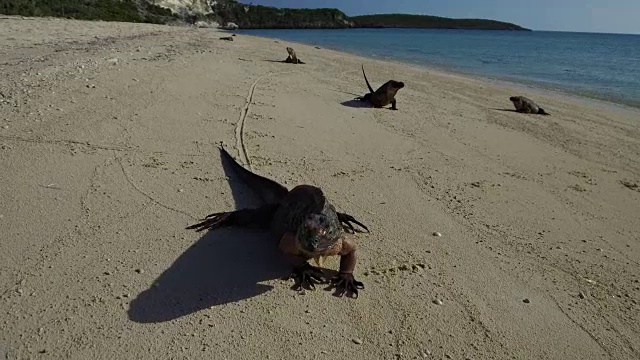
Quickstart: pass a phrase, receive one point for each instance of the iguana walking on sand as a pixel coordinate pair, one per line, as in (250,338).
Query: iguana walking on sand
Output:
(385,95)
(305,225)
(526,105)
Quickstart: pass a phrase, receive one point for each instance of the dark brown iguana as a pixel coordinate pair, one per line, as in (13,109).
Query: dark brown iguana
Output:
(385,94)
(292,58)
(526,105)
(305,224)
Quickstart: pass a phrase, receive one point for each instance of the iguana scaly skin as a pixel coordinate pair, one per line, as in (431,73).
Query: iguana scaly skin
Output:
(385,95)
(526,105)
(303,222)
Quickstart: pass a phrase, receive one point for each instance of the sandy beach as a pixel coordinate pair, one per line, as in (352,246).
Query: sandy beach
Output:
(108,135)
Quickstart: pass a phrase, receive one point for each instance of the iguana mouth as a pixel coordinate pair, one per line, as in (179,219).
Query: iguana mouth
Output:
(315,243)
(314,252)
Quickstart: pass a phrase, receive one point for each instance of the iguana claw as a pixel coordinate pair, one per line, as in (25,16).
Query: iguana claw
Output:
(305,276)
(345,283)
(212,221)
(347,219)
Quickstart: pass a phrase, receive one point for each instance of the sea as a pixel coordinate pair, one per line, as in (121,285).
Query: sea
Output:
(594,65)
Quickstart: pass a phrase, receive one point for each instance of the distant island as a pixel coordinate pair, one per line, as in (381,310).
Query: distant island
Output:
(232,14)
(430,22)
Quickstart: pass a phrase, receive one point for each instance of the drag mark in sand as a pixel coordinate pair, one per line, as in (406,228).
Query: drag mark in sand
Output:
(128,179)
(69,142)
(240,145)
(242,150)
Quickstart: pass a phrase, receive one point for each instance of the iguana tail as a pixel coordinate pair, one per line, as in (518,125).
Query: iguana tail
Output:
(365,79)
(268,190)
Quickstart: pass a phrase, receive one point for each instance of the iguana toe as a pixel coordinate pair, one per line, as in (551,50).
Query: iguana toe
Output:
(306,276)
(347,219)
(345,283)
(212,221)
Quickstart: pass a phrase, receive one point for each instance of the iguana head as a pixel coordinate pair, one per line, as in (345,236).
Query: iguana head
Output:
(393,87)
(317,233)
(397,84)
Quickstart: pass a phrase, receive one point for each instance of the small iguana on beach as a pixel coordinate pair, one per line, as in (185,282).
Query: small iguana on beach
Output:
(526,105)
(385,95)
(292,58)
(303,222)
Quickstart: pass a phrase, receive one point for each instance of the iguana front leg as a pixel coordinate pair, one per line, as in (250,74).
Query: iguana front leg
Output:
(344,282)
(304,274)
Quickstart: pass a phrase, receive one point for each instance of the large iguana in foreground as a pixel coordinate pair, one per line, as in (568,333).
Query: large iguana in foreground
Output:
(303,222)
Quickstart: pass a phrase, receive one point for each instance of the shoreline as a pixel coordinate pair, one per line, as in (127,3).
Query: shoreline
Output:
(532,86)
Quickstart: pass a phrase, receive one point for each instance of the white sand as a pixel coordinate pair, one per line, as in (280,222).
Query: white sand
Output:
(98,184)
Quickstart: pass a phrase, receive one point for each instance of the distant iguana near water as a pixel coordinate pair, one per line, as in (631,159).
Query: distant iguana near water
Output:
(526,105)
(303,222)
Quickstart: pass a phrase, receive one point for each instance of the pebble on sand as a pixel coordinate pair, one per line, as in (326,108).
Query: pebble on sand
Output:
(526,301)
(437,302)
(357,341)
(435,233)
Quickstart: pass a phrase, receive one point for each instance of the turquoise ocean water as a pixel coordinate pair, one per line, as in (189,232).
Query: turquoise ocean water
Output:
(601,66)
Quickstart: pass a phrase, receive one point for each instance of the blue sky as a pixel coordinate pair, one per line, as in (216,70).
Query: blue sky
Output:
(617,16)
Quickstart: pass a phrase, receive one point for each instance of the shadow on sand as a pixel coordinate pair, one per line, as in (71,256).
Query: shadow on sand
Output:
(223,266)
(283,61)
(356,104)
(507,110)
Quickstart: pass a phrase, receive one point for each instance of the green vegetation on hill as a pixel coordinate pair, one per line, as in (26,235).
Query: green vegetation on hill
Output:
(245,16)
(266,17)
(430,22)
(107,10)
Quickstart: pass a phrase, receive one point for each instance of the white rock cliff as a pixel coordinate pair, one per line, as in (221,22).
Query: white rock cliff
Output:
(188,6)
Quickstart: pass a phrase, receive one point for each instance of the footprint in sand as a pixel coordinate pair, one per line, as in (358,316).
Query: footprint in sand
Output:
(632,185)
(397,270)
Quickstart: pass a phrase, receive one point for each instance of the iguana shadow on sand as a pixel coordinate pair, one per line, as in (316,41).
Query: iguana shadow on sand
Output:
(223,266)
(505,110)
(355,104)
